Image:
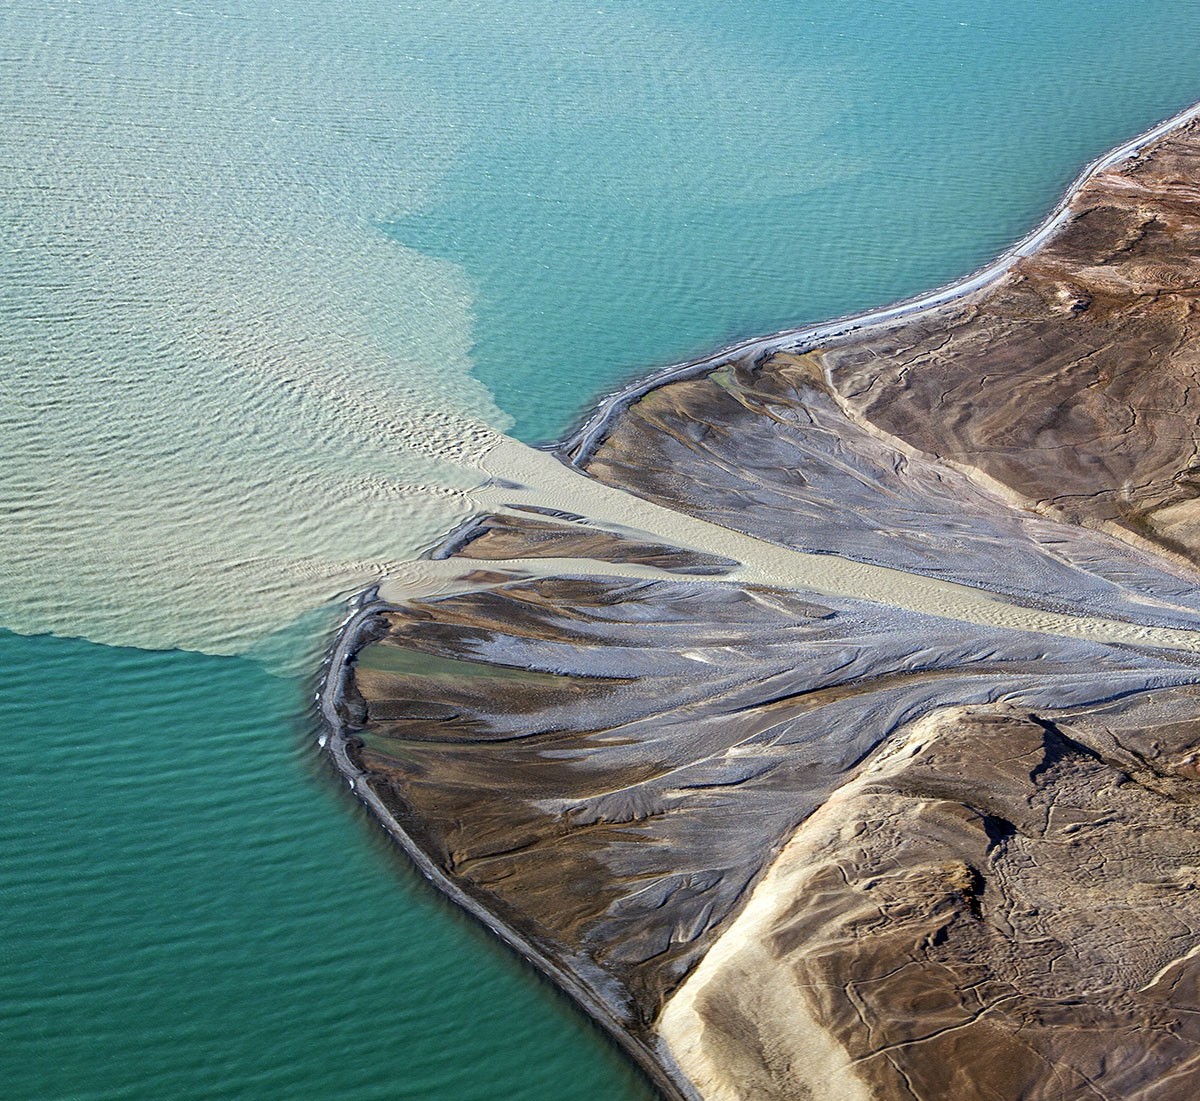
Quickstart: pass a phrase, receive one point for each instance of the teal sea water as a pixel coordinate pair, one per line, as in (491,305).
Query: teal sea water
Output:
(193,909)
(261,265)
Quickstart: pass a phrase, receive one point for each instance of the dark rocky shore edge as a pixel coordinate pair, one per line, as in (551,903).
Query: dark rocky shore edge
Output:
(581,445)
(330,699)
(341,705)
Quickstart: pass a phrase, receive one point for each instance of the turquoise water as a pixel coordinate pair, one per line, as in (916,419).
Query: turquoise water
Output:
(262,265)
(192,909)
(723,171)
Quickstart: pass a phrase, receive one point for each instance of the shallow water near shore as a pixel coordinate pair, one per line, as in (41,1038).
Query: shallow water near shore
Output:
(266,265)
(193,909)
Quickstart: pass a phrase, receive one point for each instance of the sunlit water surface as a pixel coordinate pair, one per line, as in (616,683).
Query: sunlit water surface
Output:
(270,273)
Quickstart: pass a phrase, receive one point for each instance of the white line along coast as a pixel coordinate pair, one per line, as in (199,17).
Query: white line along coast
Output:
(589,436)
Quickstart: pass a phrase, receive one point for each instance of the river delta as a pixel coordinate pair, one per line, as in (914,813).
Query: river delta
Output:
(822,715)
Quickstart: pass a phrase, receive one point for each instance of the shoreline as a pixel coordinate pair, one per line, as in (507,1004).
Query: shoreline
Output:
(576,450)
(581,444)
(653,1063)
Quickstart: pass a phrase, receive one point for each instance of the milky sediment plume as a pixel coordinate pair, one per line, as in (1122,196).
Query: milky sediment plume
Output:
(228,387)
(231,393)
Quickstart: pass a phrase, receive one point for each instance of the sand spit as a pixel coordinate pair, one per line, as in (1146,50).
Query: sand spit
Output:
(601,714)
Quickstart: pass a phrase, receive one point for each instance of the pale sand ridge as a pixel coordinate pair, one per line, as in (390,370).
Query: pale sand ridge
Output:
(546,483)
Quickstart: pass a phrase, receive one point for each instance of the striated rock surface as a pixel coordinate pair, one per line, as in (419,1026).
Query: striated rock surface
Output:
(791,843)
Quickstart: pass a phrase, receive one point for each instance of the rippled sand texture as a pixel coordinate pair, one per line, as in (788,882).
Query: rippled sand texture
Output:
(612,765)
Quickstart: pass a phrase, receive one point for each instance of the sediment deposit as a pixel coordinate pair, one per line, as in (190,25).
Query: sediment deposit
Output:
(999,905)
(846,745)
(1071,382)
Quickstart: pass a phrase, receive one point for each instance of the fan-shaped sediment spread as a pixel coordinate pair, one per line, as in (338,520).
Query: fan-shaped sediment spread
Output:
(834,732)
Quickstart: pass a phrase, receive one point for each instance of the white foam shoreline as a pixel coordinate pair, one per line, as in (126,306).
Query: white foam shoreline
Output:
(765,563)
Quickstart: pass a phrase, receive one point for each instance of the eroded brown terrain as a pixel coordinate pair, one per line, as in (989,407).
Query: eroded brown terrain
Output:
(1003,906)
(1070,383)
(997,890)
